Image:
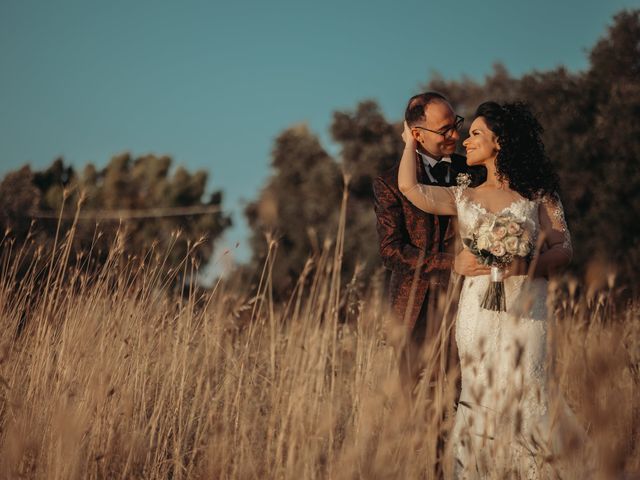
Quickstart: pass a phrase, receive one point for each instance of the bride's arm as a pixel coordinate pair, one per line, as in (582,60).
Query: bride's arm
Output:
(556,236)
(431,199)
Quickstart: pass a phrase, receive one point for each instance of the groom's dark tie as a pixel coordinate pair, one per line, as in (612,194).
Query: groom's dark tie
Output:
(439,172)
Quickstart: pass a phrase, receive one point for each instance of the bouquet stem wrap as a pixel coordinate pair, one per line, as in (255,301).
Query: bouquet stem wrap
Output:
(495,298)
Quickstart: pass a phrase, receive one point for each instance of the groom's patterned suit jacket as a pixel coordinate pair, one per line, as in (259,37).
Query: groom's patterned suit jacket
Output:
(405,232)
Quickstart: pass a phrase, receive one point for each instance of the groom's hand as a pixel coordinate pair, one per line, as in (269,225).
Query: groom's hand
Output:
(467,264)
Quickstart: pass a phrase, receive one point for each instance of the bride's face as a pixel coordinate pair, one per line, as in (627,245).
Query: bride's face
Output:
(482,144)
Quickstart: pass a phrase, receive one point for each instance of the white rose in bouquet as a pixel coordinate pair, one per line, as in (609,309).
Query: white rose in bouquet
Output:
(484,241)
(523,249)
(499,231)
(498,249)
(485,228)
(514,228)
(496,241)
(484,224)
(512,244)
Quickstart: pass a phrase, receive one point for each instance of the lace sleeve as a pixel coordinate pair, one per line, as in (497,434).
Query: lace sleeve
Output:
(432,199)
(556,234)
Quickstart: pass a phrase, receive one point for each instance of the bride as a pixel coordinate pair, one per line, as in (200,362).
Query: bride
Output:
(504,417)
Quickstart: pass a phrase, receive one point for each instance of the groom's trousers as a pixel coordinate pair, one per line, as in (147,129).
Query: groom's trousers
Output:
(430,351)
(430,347)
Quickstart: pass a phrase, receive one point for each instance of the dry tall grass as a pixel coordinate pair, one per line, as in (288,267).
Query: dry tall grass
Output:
(114,376)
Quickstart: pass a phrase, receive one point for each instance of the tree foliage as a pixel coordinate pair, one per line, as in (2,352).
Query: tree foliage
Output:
(300,203)
(298,206)
(125,186)
(592,134)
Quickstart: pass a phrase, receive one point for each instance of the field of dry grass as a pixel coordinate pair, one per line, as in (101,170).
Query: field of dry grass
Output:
(111,374)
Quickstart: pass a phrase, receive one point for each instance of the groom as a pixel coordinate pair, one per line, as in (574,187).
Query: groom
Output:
(419,247)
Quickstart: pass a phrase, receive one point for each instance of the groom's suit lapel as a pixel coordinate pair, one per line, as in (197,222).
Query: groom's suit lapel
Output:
(421,171)
(420,225)
(458,165)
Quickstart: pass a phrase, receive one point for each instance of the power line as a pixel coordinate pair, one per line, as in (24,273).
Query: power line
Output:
(131,213)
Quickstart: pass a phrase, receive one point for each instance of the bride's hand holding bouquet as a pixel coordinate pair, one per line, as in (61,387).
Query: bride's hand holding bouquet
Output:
(504,243)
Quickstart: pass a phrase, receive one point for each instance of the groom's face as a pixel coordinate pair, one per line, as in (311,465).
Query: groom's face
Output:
(440,117)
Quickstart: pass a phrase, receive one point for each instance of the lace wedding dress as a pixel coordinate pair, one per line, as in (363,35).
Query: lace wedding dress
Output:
(502,424)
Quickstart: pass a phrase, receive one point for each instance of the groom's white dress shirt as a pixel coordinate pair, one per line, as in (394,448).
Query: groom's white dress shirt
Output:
(430,163)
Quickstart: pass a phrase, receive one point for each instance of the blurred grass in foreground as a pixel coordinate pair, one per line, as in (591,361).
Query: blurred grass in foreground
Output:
(112,374)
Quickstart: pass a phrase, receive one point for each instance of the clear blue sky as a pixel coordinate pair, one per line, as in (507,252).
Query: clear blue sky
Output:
(212,83)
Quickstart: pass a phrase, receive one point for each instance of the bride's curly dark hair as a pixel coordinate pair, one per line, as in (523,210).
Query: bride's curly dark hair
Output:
(522,159)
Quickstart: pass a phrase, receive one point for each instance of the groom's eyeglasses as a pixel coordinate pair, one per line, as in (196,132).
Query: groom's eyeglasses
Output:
(447,132)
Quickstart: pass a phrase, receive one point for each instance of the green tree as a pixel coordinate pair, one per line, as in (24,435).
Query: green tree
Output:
(298,207)
(592,135)
(124,187)
(18,194)
(369,144)
(301,202)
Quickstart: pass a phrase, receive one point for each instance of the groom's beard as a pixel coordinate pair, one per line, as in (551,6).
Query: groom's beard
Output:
(449,148)
(424,151)
(442,153)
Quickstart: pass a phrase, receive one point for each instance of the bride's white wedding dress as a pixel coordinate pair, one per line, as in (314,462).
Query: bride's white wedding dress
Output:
(503,420)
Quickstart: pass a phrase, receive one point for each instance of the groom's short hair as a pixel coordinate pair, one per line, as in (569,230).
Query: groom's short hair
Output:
(417,104)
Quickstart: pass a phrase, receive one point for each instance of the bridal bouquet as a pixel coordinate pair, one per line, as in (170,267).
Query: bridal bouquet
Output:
(497,240)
